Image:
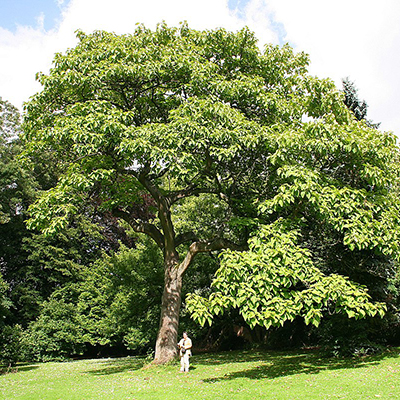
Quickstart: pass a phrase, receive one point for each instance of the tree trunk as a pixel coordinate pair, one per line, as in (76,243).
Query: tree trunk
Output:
(166,345)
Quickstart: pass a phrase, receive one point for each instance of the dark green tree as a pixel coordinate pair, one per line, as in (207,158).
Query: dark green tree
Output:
(17,184)
(17,188)
(115,305)
(357,106)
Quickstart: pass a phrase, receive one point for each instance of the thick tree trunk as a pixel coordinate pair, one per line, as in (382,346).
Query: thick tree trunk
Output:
(166,345)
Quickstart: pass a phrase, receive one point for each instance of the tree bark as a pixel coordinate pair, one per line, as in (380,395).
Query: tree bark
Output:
(166,345)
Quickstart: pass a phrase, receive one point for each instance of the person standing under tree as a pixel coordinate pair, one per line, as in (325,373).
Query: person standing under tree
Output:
(185,351)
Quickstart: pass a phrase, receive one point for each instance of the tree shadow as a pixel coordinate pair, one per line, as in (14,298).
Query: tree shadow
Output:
(17,369)
(275,365)
(112,366)
(236,356)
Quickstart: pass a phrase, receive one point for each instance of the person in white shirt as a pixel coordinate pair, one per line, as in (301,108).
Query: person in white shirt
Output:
(185,351)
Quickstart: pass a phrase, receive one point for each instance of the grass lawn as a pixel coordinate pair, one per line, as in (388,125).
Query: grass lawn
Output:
(231,375)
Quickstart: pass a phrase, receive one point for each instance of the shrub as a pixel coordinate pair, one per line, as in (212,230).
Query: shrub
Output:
(10,345)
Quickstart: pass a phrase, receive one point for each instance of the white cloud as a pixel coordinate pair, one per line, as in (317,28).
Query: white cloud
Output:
(122,15)
(30,50)
(258,16)
(22,54)
(356,38)
(40,20)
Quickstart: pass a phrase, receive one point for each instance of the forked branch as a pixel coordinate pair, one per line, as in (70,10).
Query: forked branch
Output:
(141,226)
(208,246)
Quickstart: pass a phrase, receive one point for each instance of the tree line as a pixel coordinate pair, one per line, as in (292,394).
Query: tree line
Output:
(177,165)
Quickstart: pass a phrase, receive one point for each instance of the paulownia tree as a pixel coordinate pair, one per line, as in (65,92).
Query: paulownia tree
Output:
(145,124)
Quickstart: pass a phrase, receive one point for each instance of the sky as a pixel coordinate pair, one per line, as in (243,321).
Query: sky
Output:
(358,39)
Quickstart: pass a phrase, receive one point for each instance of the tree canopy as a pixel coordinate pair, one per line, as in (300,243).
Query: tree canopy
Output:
(142,125)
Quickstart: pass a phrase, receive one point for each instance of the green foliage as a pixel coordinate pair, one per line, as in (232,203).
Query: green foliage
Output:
(55,334)
(340,179)
(39,265)
(275,281)
(119,300)
(10,121)
(357,106)
(141,124)
(205,215)
(5,302)
(10,336)
(10,344)
(346,338)
(17,183)
(192,103)
(115,301)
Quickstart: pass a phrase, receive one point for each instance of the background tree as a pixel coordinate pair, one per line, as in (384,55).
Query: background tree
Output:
(357,106)
(17,188)
(33,266)
(142,123)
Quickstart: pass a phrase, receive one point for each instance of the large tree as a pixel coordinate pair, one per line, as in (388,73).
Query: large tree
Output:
(142,124)
(17,188)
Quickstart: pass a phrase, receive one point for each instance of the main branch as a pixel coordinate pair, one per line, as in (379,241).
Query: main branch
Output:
(141,227)
(205,247)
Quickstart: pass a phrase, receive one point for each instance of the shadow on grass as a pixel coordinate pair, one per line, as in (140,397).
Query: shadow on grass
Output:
(112,366)
(18,368)
(236,356)
(279,364)
(265,365)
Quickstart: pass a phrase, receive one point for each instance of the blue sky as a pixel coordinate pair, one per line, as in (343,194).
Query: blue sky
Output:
(359,39)
(27,12)
(46,14)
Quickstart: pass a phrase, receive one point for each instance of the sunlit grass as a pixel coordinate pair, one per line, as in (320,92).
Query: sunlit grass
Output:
(231,375)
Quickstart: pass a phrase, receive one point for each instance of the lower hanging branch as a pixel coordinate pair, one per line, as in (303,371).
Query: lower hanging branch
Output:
(276,281)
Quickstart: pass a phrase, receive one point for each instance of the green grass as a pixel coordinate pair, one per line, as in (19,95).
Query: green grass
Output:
(231,375)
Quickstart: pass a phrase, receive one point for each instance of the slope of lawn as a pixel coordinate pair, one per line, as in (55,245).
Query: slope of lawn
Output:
(231,375)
